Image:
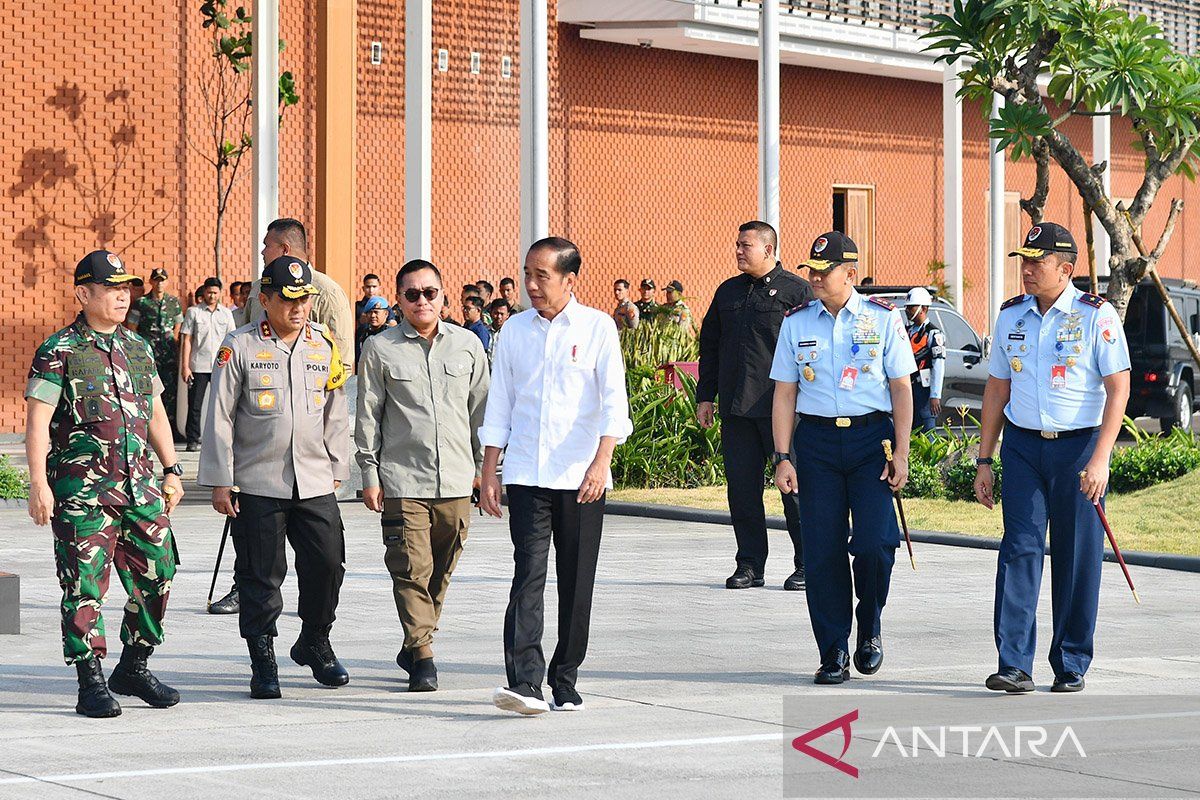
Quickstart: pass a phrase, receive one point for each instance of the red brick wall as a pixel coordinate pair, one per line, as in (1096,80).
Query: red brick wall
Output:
(653,159)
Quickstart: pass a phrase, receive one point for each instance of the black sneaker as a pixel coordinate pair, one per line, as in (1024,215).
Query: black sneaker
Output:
(524,698)
(566,699)
(796,582)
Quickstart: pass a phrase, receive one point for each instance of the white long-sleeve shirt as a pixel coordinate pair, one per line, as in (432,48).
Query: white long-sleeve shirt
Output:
(557,387)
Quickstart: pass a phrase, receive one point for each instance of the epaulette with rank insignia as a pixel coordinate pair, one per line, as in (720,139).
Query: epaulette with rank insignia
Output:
(879,301)
(800,307)
(1093,300)
(1012,301)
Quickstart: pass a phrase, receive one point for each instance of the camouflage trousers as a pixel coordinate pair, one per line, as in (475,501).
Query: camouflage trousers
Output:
(166,363)
(88,540)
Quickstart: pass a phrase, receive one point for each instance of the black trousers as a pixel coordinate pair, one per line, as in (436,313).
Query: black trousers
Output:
(196,391)
(536,516)
(314,527)
(746,446)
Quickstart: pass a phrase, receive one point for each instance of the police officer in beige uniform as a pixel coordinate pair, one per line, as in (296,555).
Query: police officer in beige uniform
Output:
(278,432)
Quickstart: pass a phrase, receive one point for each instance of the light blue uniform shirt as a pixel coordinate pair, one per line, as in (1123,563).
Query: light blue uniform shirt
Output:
(850,358)
(1057,363)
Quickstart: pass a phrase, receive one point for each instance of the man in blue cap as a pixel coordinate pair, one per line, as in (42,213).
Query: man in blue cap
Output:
(1059,377)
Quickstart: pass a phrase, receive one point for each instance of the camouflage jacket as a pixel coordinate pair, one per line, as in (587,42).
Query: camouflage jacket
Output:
(102,389)
(156,319)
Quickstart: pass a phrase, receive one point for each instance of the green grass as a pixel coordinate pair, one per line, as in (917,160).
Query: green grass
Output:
(1159,519)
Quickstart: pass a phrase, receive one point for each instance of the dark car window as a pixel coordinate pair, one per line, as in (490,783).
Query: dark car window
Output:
(1145,317)
(958,332)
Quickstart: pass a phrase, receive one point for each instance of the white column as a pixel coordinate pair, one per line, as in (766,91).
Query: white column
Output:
(418,128)
(768,113)
(1102,151)
(265,94)
(996,251)
(535,127)
(952,182)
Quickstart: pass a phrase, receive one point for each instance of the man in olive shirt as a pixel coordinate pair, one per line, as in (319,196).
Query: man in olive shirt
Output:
(422,388)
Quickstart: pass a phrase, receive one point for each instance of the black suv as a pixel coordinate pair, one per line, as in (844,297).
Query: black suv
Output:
(1163,375)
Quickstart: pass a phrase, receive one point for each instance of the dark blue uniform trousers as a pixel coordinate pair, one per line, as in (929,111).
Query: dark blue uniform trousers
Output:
(1041,484)
(923,419)
(838,471)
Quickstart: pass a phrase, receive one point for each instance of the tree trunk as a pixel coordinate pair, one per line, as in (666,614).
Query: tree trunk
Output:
(217,242)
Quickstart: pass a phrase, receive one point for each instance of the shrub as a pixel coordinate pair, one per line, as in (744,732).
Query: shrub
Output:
(657,341)
(960,478)
(1152,460)
(14,483)
(924,480)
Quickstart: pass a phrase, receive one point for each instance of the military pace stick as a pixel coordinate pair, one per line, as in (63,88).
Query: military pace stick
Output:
(221,550)
(887,453)
(1117,551)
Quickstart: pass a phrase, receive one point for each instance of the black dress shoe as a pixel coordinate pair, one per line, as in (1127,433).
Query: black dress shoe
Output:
(423,676)
(229,604)
(264,672)
(1068,682)
(132,677)
(834,669)
(796,581)
(1011,680)
(94,699)
(404,661)
(869,655)
(744,577)
(314,651)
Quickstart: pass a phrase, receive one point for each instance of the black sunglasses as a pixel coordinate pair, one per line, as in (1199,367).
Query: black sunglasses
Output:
(413,295)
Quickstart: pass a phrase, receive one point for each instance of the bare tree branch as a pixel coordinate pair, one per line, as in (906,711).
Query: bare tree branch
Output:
(1035,206)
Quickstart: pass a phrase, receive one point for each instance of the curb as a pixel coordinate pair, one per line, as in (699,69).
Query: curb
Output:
(1135,558)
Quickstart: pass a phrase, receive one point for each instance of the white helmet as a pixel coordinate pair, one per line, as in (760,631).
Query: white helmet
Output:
(918,296)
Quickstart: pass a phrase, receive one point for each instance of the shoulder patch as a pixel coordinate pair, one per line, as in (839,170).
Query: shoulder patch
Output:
(1012,301)
(223,355)
(800,307)
(1093,300)
(881,302)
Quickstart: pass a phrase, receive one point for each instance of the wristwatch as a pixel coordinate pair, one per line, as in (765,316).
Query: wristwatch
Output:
(174,469)
(778,458)
(984,462)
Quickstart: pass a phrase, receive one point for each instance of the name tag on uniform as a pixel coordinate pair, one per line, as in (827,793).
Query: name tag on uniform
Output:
(849,377)
(1058,376)
(1017,336)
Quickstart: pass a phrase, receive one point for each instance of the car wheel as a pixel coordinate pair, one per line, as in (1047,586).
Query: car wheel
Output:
(1183,412)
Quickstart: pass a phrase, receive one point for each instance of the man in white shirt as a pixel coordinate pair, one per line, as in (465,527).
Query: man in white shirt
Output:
(205,326)
(558,403)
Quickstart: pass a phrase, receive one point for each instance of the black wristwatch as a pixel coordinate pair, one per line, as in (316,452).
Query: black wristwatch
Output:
(984,462)
(174,469)
(778,458)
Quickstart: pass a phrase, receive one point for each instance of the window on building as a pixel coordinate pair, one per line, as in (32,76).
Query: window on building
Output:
(854,215)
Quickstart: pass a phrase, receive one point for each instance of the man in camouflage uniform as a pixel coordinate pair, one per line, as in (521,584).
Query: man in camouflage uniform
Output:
(94,410)
(157,316)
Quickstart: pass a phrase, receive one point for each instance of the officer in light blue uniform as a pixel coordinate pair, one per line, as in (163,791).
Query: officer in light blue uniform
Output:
(1058,384)
(841,367)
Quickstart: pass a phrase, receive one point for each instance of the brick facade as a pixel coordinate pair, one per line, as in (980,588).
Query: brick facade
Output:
(653,159)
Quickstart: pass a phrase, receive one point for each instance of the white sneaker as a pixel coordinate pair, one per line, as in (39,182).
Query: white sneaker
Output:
(566,700)
(522,699)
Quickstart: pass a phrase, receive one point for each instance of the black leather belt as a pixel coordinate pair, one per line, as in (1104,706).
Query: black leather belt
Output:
(1056,434)
(846,422)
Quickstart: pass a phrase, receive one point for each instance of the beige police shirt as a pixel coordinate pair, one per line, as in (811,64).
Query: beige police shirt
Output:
(208,327)
(331,308)
(420,405)
(277,417)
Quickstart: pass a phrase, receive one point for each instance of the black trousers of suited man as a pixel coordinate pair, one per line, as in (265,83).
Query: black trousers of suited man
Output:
(537,517)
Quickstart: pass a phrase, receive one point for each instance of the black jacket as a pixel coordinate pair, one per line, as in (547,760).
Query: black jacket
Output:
(737,340)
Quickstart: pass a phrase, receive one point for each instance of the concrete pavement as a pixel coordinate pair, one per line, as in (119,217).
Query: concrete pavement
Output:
(684,682)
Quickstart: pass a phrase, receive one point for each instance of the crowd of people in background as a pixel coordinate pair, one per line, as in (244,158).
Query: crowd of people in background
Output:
(628,313)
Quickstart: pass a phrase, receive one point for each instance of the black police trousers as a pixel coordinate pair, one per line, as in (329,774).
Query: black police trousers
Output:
(314,527)
(537,516)
(746,446)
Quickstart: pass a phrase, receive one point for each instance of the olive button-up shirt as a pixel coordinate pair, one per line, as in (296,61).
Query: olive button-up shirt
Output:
(420,405)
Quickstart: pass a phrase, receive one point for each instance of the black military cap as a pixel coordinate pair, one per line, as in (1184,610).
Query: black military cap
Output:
(1047,237)
(831,249)
(675,286)
(647,283)
(103,267)
(290,277)
(158,274)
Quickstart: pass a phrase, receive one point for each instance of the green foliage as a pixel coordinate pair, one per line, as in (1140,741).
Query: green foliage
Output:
(941,463)
(1152,459)
(960,478)
(667,448)
(657,341)
(924,480)
(14,483)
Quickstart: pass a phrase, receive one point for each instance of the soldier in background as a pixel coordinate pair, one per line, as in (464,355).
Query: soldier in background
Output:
(157,316)
(94,411)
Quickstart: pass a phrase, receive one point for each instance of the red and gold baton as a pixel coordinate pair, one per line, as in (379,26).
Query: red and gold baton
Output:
(887,453)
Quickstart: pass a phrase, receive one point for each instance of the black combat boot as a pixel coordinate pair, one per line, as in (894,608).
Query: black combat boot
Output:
(313,650)
(94,699)
(132,677)
(264,672)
